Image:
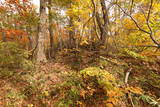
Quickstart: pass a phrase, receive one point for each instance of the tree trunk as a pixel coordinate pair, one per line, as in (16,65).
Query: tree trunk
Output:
(51,34)
(102,24)
(105,22)
(3,35)
(42,32)
(71,33)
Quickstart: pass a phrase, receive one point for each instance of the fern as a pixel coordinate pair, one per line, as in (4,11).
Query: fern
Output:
(150,100)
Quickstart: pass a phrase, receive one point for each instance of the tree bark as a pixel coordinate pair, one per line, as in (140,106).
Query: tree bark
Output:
(102,24)
(51,34)
(71,33)
(105,22)
(42,32)
(3,35)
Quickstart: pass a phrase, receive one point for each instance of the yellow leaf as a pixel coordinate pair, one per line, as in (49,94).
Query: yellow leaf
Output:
(79,102)
(109,105)
(135,90)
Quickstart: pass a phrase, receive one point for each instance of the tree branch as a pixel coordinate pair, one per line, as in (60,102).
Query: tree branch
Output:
(135,22)
(137,25)
(147,21)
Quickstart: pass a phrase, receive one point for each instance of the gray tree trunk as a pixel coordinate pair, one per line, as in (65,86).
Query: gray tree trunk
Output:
(102,24)
(42,32)
(51,29)
(105,21)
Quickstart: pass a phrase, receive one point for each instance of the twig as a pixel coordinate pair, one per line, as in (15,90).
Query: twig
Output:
(131,6)
(126,77)
(126,82)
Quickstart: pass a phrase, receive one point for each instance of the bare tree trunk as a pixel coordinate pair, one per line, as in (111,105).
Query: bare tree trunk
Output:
(102,24)
(105,21)
(60,42)
(71,34)
(42,32)
(51,28)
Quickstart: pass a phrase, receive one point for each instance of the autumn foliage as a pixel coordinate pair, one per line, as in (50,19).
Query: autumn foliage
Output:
(80,53)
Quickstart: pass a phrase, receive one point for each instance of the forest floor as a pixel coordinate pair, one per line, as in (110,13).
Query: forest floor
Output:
(43,85)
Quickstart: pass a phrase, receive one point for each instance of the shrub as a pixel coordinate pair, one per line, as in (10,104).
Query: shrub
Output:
(90,86)
(12,56)
(134,54)
(101,77)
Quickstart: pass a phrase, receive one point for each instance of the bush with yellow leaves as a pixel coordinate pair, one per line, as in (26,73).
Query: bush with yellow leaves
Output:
(91,86)
(99,79)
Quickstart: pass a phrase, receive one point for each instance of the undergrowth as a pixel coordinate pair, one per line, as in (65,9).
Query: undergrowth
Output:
(92,81)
